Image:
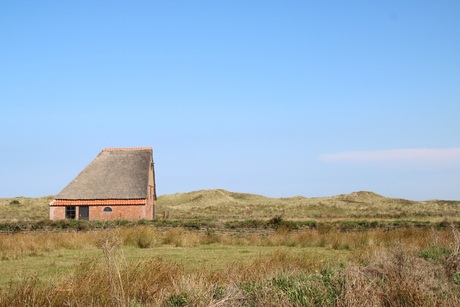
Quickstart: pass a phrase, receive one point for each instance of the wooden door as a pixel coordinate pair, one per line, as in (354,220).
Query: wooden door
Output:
(83,213)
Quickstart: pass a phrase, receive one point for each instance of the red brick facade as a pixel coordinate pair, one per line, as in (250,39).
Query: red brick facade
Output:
(117,212)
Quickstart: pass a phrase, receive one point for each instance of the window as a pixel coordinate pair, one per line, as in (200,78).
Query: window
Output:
(70,212)
(107,209)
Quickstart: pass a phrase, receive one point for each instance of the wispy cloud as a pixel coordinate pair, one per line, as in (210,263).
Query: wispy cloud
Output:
(428,156)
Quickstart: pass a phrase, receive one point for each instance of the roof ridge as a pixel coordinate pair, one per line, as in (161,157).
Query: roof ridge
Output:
(126,148)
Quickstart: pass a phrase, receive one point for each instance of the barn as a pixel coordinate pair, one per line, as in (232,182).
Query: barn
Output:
(119,184)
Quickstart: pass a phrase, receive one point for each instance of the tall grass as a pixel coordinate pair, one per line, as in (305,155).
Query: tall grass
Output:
(19,245)
(411,267)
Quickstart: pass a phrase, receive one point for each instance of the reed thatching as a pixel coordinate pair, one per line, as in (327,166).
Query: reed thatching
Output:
(116,173)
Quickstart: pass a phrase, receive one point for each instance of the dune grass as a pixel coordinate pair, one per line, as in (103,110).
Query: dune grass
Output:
(24,208)
(221,204)
(224,205)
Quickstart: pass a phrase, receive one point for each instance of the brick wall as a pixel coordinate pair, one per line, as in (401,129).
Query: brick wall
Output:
(57,213)
(131,212)
(119,212)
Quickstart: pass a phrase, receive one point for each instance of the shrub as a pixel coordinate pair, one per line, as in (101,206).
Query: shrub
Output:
(276,221)
(176,300)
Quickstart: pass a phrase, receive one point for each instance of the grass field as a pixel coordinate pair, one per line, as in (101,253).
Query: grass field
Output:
(218,248)
(142,266)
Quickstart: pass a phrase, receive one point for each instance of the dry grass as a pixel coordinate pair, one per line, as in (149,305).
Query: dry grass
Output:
(323,266)
(19,245)
(404,267)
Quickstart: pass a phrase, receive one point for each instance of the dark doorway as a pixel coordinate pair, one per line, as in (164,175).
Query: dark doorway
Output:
(83,213)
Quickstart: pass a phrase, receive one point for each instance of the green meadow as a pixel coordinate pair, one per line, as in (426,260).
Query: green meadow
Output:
(218,248)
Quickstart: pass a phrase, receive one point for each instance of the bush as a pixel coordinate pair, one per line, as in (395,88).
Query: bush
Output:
(276,221)
(176,300)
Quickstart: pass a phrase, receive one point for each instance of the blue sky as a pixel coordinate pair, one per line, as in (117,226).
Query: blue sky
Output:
(278,98)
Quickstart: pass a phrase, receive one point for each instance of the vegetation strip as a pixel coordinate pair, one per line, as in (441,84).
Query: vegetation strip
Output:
(214,225)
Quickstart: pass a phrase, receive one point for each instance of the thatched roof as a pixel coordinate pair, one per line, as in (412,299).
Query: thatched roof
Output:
(116,173)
